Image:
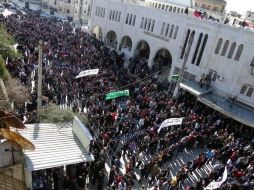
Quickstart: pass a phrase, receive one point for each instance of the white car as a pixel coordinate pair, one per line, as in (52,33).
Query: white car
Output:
(1,8)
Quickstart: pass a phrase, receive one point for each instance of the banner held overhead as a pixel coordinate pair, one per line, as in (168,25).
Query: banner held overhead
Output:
(88,73)
(113,95)
(170,122)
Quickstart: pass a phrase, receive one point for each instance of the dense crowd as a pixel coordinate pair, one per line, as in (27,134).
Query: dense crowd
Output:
(127,126)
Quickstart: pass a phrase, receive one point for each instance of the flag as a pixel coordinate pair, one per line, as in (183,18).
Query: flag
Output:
(116,94)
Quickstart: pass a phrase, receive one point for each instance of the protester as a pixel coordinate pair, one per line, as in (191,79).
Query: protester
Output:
(127,127)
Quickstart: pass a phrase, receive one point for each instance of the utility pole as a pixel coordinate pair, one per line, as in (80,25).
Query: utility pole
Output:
(39,95)
(186,55)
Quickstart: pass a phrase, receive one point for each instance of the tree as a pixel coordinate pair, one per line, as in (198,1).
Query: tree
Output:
(15,91)
(7,50)
(4,73)
(54,114)
(7,43)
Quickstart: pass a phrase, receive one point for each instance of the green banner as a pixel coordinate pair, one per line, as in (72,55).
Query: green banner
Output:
(175,78)
(113,95)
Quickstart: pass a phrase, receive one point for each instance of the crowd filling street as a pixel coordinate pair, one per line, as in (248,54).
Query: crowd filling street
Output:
(129,151)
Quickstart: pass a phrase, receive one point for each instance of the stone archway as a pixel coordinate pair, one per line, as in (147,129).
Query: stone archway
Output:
(162,62)
(142,50)
(111,39)
(97,31)
(126,43)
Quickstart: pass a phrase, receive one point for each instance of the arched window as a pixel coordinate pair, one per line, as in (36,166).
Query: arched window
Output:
(219,43)
(152,26)
(116,16)
(166,8)
(185,43)
(159,6)
(145,23)
(149,24)
(215,8)
(113,16)
(134,20)
(175,34)
(239,52)
(231,51)
(171,31)
(178,10)
(156,5)
(130,20)
(127,18)
(110,14)
(142,22)
(197,48)
(163,7)
(119,16)
(174,10)
(162,28)
(170,8)
(166,31)
(202,50)
(182,10)
(225,48)
(203,6)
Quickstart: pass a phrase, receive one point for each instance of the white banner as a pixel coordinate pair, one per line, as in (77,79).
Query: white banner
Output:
(217,184)
(170,122)
(88,73)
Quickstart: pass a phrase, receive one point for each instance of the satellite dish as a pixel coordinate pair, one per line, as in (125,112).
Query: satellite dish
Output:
(9,120)
(12,136)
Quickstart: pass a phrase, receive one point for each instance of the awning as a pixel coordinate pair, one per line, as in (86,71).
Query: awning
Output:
(54,147)
(235,111)
(193,88)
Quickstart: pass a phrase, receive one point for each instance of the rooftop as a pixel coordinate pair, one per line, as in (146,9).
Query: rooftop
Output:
(55,145)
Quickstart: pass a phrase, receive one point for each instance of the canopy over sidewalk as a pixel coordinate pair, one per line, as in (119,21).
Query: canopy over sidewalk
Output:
(226,107)
(193,88)
(221,104)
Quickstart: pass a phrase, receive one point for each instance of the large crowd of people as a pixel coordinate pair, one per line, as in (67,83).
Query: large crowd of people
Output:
(127,126)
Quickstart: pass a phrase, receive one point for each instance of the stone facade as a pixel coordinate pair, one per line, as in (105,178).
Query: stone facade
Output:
(78,10)
(221,50)
(215,8)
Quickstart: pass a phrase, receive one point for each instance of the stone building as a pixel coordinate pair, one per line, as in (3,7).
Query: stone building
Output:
(215,8)
(221,51)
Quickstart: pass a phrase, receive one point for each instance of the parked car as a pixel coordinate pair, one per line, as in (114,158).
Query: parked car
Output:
(20,12)
(12,6)
(45,15)
(64,20)
(6,5)
(2,8)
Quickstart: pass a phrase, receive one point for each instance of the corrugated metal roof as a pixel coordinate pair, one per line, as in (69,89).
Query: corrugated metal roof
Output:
(53,147)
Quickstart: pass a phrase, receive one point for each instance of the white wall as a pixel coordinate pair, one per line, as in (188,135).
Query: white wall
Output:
(235,73)
(6,156)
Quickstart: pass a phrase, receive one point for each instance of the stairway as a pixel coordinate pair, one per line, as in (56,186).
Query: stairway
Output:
(10,183)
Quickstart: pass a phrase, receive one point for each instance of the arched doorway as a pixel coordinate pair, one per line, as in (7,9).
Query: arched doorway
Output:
(111,39)
(97,31)
(126,44)
(142,50)
(162,63)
